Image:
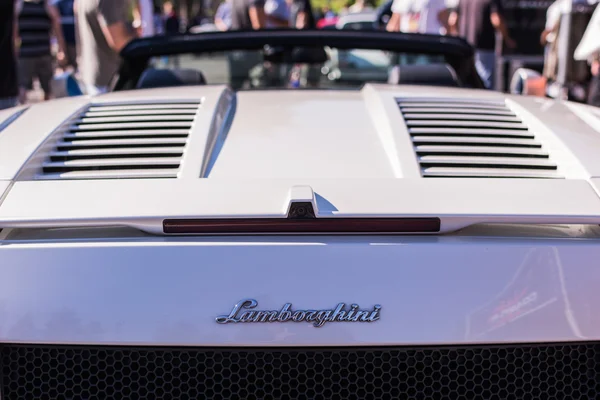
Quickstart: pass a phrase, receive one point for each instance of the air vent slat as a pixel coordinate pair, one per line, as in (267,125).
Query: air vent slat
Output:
(133,113)
(128,125)
(460,117)
(481,151)
(133,119)
(122,141)
(442,104)
(157,106)
(458,110)
(112,162)
(109,174)
(490,161)
(116,152)
(466,124)
(473,139)
(438,172)
(462,132)
(449,100)
(125,134)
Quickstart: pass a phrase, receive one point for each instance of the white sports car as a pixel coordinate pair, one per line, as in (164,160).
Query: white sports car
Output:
(199,233)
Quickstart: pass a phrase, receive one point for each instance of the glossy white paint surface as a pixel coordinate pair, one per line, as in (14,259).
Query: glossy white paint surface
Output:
(279,134)
(4,185)
(432,290)
(290,137)
(492,285)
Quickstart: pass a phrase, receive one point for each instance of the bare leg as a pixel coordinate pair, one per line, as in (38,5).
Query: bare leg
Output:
(22,95)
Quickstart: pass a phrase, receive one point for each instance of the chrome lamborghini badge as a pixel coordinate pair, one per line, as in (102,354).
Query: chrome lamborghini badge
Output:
(244,311)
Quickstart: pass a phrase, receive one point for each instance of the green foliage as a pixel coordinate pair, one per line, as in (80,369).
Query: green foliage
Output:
(337,5)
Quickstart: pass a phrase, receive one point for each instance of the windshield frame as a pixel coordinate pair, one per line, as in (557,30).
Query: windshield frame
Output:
(137,54)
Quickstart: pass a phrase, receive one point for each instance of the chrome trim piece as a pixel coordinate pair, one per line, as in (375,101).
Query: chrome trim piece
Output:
(318,318)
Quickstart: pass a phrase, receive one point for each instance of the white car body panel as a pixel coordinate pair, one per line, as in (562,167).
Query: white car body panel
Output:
(86,260)
(169,292)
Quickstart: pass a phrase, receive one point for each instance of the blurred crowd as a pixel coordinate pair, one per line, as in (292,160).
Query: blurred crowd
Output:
(40,39)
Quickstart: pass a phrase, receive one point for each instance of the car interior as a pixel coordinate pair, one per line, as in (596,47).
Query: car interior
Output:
(277,67)
(158,78)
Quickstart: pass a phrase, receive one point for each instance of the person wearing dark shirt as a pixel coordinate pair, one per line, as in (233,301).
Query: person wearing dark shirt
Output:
(301,15)
(383,14)
(67,21)
(37,21)
(477,21)
(172,23)
(9,88)
(248,14)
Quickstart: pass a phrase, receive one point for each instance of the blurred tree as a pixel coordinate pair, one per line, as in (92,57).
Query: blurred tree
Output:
(190,8)
(338,5)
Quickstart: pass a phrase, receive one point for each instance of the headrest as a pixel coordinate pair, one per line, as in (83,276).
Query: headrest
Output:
(156,78)
(423,74)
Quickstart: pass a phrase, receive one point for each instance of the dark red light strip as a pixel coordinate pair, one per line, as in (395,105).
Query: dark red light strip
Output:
(301,226)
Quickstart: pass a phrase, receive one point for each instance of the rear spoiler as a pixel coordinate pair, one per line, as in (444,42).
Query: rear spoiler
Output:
(225,207)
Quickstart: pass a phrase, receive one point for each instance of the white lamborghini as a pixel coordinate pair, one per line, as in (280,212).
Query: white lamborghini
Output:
(230,222)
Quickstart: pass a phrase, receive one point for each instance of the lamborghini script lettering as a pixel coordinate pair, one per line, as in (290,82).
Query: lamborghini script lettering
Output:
(243,312)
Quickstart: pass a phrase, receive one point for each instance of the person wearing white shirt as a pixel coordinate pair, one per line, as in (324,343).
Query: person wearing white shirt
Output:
(423,16)
(359,6)
(145,18)
(402,11)
(552,18)
(589,49)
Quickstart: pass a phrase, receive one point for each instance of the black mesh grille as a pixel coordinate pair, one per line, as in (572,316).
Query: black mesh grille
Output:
(497,372)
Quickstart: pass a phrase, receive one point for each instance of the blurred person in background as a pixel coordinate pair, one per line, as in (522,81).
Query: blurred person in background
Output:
(327,13)
(159,21)
(549,37)
(277,13)
(172,21)
(359,6)
(248,14)
(552,21)
(67,20)
(404,17)
(103,29)
(326,18)
(37,20)
(428,16)
(143,20)
(383,14)
(589,49)
(301,15)
(477,21)
(9,88)
(223,16)
(198,20)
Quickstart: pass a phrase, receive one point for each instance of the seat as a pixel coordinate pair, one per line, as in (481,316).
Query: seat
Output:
(423,74)
(157,78)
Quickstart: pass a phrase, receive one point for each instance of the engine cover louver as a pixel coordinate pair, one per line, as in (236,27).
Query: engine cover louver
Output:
(125,140)
(473,139)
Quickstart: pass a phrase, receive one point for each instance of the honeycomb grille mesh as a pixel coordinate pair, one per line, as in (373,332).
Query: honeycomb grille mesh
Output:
(491,372)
